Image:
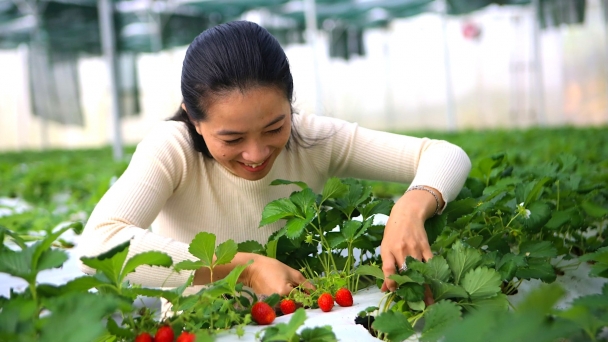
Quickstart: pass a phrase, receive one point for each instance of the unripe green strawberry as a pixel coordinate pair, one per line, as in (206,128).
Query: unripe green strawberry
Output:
(144,337)
(344,297)
(186,337)
(164,334)
(326,302)
(288,306)
(262,313)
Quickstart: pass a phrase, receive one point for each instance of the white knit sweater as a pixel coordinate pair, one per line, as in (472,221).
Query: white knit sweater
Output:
(173,189)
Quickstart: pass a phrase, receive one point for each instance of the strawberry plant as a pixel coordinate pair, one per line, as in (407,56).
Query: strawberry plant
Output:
(288,331)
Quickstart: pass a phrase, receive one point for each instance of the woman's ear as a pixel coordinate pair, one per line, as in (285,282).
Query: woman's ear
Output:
(184,107)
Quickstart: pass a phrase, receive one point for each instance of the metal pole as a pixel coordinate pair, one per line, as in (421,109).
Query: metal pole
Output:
(108,42)
(539,90)
(310,15)
(449,92)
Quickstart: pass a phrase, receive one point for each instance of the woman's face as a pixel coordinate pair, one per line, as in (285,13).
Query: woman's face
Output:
(245,132)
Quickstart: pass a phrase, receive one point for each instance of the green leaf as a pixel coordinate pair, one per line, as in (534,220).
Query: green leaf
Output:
(286,331)
(498,303)
(461,259)
(536,190)
(482,282)
(540,214)
(109,263)
(533,249)
(151,258)
(559,219)
(411,292)
(294,228)
(225,252)
(51,258)
(302,185)
(594,210)
(442,290)
(434,226)
(203,247)
(169,295)
(188,265)
(333,188)
(459,208)
(233,277)
(304,201)
(538,268)
(403,279)
(370,270)
(394,324)
(318,334)
(271,248)
(18,263)
(278,209)
(115,330)
(374,207)
(437,318)
(350,229)
(437,268)
(417,306)
(251,246)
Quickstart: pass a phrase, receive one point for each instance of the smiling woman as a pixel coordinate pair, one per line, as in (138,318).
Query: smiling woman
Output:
(210,166)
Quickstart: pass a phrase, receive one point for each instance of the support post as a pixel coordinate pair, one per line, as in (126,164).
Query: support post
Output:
(108,42)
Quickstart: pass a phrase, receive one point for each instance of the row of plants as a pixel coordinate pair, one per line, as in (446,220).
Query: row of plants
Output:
(518,217)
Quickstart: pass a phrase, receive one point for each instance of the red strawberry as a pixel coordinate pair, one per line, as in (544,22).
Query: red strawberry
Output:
(164,334)
(344,297)
(288,306)
(186,337)
(262,313)
(144,337)
(326,302)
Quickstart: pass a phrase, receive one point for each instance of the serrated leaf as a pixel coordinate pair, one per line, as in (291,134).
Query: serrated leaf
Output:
(115,330)
(203,247)
(109,263)
(294,228)
(437,268)
(461,260)
(536,190)
(370,270)
(540,214)
(437,318)
(537,268)
(225,252)
(482,282)
(459,208)
(417,306)
(233,277)
(286,331)
(350,229)
(411,292)
(374,207)
(151,258)
(251,246)
(169,295)
(434,226)
(536,249)
(271,248)
(51,258)
(302,185)
(188,265)
(403,279)
(278,209)
(333,188)
(394,324)
(498,303)
(304,200)
(593,209)
(559,219)
(318,334)
(442,290)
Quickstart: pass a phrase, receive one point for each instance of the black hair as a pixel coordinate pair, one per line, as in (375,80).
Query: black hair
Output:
(237,55)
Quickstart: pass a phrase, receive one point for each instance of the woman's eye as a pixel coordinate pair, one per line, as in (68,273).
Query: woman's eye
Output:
(276,131)
(232,142)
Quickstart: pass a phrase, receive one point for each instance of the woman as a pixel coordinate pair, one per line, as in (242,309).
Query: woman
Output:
(209,167)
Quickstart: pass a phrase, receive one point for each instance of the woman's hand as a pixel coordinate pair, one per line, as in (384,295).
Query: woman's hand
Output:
(267,276)
(404,234)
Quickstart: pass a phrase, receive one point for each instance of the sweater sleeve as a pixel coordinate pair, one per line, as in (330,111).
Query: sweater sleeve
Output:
(348,150)
(129,207)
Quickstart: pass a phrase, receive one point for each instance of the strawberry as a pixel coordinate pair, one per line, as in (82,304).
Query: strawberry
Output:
(326,302)
(164,334)
(288,306)
(186,337)
(344,297)
(262,313)
(144,337)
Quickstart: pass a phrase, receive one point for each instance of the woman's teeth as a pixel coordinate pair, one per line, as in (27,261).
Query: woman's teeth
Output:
(254,165)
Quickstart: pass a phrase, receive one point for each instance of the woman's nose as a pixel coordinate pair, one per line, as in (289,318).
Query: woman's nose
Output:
(256,152)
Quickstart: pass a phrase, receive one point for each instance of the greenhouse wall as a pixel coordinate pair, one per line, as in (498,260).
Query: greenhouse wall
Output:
(399,84)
